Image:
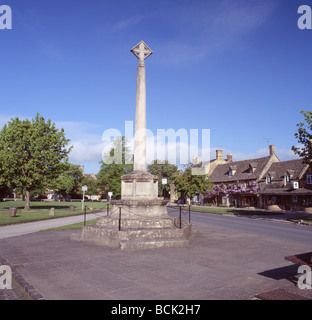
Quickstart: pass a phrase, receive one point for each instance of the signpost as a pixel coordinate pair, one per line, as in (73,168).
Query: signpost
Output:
(84,189)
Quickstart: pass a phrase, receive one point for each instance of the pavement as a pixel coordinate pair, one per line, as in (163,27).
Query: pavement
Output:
(218,264)
(30,227)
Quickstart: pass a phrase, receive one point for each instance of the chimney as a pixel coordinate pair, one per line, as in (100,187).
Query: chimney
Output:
(82,169)
(195,160)
(272,150)
(229,158)
(219,154)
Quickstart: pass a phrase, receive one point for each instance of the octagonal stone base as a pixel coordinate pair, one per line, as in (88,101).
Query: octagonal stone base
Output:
(137,224)
(135,234)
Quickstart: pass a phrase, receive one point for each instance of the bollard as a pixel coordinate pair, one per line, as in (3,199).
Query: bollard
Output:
(85,213)
(180,217)
(119,226)
(52,212)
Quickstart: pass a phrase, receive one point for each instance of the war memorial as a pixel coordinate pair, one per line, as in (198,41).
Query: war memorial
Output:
(139,220)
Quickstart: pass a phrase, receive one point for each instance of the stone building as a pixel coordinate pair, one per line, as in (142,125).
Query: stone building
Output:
(287,185)
(280,185)
(209,166)
(242,173)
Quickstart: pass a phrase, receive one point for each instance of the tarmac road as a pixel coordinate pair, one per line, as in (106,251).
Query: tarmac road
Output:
(272,226)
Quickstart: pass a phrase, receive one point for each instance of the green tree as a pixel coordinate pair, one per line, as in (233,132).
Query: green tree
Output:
(69,181)
(163,169)
(31,154)
(116,162)
(91,184)
(304,136)
(188,185)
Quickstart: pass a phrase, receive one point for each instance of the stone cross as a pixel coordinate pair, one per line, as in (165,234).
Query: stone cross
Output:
(141,51)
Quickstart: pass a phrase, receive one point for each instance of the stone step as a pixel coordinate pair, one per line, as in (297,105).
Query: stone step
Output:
(108,222)
(152,234)
(135,239)
(152,244)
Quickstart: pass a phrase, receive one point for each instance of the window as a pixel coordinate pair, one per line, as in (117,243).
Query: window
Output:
(268,180)
(287,178)
(232,171)
(309,178)
(253,167)
(294,199)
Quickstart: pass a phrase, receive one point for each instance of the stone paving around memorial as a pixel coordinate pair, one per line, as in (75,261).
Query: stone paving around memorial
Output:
(218,264)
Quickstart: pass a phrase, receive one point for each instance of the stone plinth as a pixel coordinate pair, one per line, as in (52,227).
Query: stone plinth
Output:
(130,209)
(136,234)
(139,185)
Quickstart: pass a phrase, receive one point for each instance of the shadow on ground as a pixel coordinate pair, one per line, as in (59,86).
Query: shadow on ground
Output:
(288,272)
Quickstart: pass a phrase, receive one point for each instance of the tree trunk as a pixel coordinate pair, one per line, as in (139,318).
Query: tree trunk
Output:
(27,200)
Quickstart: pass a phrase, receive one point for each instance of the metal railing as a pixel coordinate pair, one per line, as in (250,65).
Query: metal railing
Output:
(85,212)
(181,212)
(180,208)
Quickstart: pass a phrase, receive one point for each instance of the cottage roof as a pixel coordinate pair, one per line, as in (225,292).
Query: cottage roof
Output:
(285,191)
(91,175)
(243,172)
(294,168)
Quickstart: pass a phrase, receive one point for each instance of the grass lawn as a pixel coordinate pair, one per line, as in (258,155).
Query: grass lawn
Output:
(304,219)
(233,211)
(40,210)
(77,225)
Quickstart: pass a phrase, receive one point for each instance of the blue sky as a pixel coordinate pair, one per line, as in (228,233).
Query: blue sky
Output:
(241,68)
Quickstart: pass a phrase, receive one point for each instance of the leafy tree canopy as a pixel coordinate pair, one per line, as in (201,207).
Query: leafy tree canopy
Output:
(163,169)
(188,185)
(115,164)
(304,136)
(31,154)
(69,181)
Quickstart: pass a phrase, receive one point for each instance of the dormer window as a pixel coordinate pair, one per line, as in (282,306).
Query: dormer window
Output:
(252,167)
(268,180)
(269,177)
(232,171)
(286,178)
(309,178)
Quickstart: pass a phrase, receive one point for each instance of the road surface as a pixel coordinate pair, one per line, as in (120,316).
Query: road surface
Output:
(266,226)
